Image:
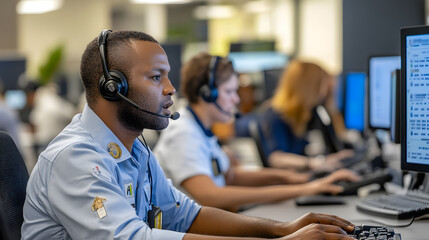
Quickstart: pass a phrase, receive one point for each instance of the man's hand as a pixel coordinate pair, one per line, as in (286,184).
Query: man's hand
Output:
(318,232)
(311,225)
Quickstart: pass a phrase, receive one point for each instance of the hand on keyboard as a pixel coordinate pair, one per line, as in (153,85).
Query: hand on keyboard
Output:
(375,233)
(326,184)
(350,188)
(318,226)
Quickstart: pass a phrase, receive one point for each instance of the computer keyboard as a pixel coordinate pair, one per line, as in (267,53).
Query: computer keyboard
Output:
(411,204)
(368,232)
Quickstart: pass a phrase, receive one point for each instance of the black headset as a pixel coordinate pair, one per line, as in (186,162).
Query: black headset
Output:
(112,81)
(209,91)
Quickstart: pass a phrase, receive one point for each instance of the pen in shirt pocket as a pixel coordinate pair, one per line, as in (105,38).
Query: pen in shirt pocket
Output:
(173,193)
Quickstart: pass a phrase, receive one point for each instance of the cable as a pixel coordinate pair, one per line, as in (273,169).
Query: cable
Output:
(384,223)
(148,167)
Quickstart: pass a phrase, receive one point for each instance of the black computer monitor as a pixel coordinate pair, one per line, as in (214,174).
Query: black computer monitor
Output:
(395,103)
(11,70)
(174,54)
(252,46)
(271,80)
(415,98)
(354,104)
(379,90)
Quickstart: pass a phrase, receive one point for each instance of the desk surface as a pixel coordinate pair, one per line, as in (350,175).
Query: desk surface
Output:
(288,211)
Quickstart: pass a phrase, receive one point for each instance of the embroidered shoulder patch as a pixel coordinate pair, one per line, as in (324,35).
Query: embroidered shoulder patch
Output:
(114,150)
(101,174)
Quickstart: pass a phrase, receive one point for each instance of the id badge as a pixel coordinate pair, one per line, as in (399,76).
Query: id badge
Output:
(215,167)
(154,218)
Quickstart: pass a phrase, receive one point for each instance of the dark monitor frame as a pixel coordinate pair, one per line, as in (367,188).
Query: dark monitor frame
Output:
(253,46)
(364,99)
(268,82)
(174,51)
(405,32)
(13,66)
(395,102)
(368,108)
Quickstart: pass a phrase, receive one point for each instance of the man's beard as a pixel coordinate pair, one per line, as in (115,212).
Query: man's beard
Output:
(136,120)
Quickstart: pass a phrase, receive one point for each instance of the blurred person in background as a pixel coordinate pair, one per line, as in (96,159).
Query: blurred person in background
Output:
(305,91)
(199,165)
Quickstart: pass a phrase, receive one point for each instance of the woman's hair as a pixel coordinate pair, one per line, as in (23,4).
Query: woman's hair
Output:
(298,92)
(195,74)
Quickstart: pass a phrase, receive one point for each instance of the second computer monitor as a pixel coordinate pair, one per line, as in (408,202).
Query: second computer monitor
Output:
(415,99)
(354,104)
(379,86)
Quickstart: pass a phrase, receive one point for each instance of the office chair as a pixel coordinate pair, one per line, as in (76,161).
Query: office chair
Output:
(255,133)
(13,183)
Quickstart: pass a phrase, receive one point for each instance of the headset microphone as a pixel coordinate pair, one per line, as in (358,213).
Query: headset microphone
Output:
(173,116)
(236,114)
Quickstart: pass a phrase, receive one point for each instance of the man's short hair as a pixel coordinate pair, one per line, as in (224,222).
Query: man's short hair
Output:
(118,47)
(195,74)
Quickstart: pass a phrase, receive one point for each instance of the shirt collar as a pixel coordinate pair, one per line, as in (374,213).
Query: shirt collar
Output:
(206,131)
(104,136)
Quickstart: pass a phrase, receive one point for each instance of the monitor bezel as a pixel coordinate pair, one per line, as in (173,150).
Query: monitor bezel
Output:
(405,32)
(395,131)
(371,127)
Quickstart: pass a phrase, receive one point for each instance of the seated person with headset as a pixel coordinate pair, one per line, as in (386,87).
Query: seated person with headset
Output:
(198,164)
(97,179)
(304,91)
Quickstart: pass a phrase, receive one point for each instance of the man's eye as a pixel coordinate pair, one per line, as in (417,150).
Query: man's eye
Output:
(156,78)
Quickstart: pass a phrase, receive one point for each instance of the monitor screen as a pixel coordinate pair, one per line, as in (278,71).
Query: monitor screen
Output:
(10,71)
(415,98)
(253,62)
(379,84)
(15,99)
(354,105)
(394,106)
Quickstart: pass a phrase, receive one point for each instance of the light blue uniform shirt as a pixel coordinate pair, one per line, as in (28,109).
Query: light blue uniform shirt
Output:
(77,167)
(186,149)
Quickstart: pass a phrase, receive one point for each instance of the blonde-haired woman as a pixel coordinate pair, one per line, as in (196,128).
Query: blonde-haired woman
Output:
(284,126)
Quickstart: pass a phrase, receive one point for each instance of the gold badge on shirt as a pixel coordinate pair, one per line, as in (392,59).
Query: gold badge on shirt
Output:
(98,206)
(114,150)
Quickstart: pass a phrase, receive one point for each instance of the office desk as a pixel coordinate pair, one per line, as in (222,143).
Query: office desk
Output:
(288,211)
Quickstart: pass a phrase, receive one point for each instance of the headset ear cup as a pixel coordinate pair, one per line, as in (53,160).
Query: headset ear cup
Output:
(122,80)
(208,95)
(119,83)
(214,94)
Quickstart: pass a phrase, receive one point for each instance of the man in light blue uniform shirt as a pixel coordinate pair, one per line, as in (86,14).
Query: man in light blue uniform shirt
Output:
(97,180)
(77,168)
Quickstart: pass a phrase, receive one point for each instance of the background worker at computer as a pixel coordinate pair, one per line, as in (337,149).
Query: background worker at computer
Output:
(200,166)
(97,180)
(305,91)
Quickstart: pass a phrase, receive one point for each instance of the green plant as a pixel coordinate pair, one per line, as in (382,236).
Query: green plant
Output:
(50,67)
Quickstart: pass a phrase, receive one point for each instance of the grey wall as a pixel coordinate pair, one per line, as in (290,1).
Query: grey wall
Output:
(8,25)
(371,27)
